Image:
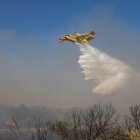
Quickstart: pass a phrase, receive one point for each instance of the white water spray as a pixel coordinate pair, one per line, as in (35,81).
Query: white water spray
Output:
(107,73)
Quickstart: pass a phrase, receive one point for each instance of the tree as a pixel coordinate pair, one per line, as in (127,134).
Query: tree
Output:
(91,123)
(132,122)
(61,128)
(41,130)
(98,120)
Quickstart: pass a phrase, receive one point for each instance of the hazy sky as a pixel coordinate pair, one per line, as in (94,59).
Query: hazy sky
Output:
(36,69)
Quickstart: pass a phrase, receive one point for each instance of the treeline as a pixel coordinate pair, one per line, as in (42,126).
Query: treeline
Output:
(25,114)
(98,122)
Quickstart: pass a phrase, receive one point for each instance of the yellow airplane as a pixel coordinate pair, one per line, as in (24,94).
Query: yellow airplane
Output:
(77,37)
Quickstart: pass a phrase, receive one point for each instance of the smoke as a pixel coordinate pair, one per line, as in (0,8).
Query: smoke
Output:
(107,73)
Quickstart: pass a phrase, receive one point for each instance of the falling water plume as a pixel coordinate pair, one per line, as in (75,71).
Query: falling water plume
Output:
(106,72)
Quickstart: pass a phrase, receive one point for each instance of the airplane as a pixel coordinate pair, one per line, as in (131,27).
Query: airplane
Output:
(78,37)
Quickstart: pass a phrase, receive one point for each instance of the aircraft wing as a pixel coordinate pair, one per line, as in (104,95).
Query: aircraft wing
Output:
(83,38)
(71,38)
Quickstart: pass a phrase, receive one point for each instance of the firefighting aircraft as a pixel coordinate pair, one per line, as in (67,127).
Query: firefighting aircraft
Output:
(78,37)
